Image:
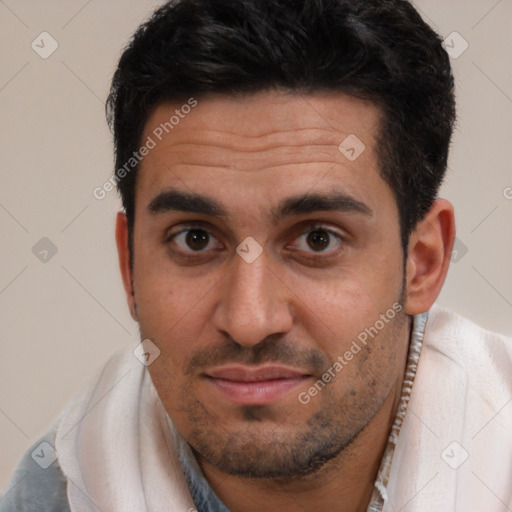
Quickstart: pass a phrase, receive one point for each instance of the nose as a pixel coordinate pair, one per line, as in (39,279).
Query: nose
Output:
(254,303)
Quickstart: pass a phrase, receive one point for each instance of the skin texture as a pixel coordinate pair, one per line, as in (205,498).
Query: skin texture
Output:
(300,304)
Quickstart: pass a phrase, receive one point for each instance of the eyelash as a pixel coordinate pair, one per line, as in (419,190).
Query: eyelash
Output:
(314,255)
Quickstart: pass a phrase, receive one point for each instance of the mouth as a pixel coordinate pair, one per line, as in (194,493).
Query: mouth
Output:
(264,385)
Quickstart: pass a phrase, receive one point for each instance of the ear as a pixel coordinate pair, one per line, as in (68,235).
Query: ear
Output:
(123,252)
(428,257)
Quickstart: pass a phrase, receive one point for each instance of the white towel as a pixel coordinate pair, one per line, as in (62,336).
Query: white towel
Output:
(460,406)
(115,447)
(117,452)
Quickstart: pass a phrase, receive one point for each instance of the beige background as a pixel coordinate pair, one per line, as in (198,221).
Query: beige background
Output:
(62,318)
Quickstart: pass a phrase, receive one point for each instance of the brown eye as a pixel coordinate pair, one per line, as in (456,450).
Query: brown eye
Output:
(318,240)
(197,239)
(194,240)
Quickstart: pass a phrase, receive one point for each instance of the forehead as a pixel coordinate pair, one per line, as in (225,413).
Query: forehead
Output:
(265,144)
(282,109)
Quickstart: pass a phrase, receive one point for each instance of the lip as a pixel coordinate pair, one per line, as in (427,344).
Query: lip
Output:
(264,385)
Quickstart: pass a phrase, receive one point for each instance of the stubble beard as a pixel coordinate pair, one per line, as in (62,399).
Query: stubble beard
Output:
(266,444)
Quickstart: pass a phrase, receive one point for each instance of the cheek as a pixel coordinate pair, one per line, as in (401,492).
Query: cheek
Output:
(337,309)
(168,300)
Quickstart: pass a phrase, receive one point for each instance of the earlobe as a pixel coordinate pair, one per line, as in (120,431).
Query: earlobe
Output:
(428,258)
(123,252)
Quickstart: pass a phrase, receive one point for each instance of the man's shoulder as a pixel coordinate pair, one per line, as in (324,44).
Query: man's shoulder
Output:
(443,323)
(37,483)
(467,344)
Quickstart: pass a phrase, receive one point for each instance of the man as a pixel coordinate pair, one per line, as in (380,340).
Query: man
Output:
(281,246)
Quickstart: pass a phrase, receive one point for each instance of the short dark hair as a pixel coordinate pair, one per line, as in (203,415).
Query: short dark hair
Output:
(377,50)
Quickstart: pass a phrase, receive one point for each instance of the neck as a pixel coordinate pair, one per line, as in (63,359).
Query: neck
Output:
(344,484)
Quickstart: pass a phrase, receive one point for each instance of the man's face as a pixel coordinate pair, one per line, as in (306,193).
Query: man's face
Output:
(245,336)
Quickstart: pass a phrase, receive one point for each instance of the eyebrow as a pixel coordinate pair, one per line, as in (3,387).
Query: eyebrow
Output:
(310,203)
(174,200)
